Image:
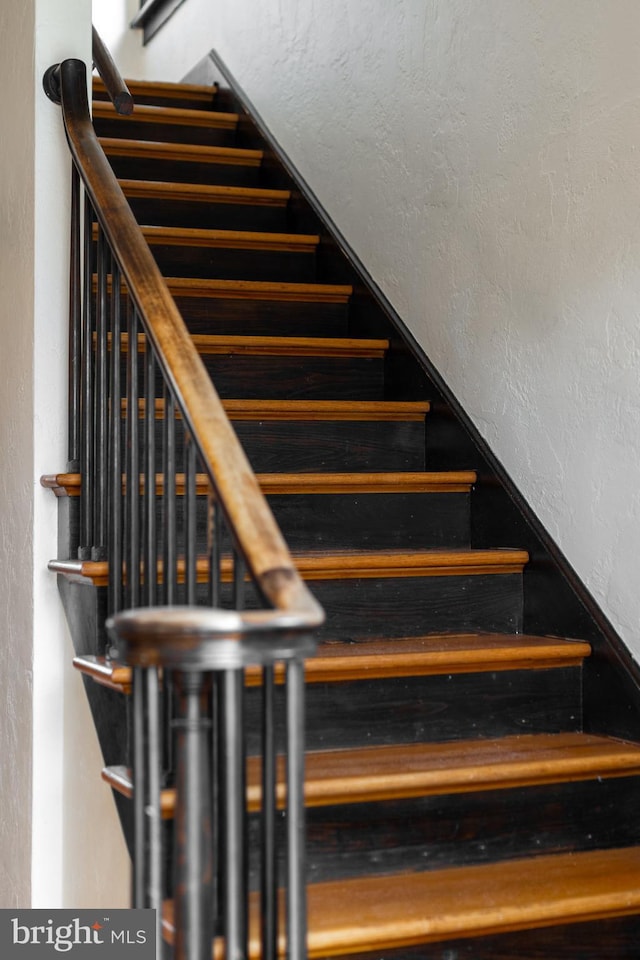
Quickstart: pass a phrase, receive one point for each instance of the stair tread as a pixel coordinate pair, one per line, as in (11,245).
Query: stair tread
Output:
(307,410)
(230,239)
(326,409)
(180,116)
(363,564)
(140,88)
(401,910)
(259,290)
(208,344)
(405,771)
(204,193)
(438,654)
(456,481)
(162,150)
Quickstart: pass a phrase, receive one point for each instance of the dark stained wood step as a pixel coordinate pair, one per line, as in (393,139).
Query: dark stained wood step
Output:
(281,484)
(402,771)
(144,91)
(406,657)
(178,116)
(167,124)
(187,163)
(258,290)
(403,910)
(215,345)
(200,193)
(231,239)
(207,205)
(232,254)
(180,152)
(312,436)
(346,566)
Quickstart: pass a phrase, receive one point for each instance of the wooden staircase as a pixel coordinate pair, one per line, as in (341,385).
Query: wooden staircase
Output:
(470,792)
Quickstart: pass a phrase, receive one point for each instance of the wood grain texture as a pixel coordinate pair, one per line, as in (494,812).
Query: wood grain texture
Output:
(345,566)
(178,116)
(402,910)
(404,771)
(141,89)
(203,193)
(69,484)
(259,290)
(215,345)
(381,411)
(231,239)
(180,152)
(404,657)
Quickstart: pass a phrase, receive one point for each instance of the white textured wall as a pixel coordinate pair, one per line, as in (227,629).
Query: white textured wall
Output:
(16,409)
(46,828)
(481,159)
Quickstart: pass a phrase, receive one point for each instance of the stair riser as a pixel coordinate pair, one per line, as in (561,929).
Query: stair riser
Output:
(263,317)
(607,939)
(308,446)
(296,378)
(432,833)
(325,445)
(352,520)
(267,318)
(210,216)
(221,264)
(349,520)
(434,520)
(435,709)
(165,132)
(288,377)
(173,171)
(411,606)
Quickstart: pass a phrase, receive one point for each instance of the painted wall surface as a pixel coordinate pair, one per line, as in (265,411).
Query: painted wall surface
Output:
(16,412)
(482,160)
(46,829)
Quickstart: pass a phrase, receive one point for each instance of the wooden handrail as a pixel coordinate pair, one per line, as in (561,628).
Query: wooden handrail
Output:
(116,87)
(224,460)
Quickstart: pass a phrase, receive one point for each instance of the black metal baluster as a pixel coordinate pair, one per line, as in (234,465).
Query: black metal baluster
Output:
(235,871)
(268,860)
(86,445)
(101,401)
(138,769)
(149,525)
(170,553)
(296,848)
(170,557)
(152,805)
(239,580)
(190,559)
(115,454)
(214,544)
(75,326)
(133,458)
(193,854)
(147,871)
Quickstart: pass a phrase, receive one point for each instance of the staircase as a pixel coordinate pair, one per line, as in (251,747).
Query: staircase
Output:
(472,775)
